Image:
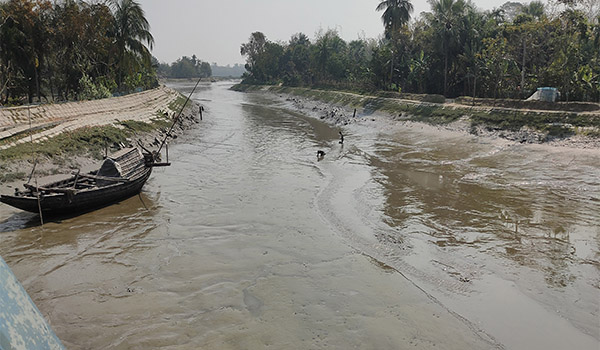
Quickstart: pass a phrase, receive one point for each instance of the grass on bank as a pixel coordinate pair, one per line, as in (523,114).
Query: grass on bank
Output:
(61,150)
(83,141)
(87,140)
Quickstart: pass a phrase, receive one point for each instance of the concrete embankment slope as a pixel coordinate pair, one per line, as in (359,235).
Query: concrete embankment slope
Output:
(49,120)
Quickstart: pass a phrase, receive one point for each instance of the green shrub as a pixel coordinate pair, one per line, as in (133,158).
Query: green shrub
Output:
(91,91)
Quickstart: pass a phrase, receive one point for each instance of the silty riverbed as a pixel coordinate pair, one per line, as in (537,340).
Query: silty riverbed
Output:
(405,236)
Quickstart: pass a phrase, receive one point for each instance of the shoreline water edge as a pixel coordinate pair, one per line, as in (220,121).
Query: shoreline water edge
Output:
(334,107)
(556,128)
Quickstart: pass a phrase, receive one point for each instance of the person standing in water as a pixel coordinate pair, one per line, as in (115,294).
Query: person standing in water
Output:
(341,138)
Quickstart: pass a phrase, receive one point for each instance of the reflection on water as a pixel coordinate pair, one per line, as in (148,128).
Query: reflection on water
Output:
(247,241)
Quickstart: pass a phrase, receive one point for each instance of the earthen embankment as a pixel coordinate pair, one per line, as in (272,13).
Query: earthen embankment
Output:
(49,120)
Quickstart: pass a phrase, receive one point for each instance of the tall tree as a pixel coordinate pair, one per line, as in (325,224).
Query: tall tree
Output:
(253,49)
(525,36)
(329,52)
(359,55)
(447,16)
(80,47)
(131,33)
(23,38)
(298,62)
(396,13)
(496,64)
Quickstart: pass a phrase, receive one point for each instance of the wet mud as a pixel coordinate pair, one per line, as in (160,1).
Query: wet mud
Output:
(401,237)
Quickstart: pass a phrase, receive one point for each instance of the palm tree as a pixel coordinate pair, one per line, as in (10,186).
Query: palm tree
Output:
(447,15)
(131,31)
(396,13)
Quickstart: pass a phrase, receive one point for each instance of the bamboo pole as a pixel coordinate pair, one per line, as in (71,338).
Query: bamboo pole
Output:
(178,115)
(37,192)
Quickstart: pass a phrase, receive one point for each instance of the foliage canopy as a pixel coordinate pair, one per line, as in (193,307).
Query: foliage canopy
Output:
(65,50)
(455,49)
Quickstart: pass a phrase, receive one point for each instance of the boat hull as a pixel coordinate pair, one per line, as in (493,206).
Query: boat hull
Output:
(80,201)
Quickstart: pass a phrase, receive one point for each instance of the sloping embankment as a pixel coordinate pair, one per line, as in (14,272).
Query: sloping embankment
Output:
(22,124)
(561,128)
(69,135)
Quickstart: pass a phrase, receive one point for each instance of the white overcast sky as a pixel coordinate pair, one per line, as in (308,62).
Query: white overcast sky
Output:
(214,30)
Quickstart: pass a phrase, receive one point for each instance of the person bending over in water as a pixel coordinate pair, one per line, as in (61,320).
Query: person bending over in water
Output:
(341,138)
(320,154)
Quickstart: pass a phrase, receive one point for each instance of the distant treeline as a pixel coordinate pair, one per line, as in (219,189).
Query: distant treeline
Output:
(455,49)
(64,50)
(235,71)
(186,67)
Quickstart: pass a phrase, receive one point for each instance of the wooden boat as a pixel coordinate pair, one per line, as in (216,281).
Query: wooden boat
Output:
(120,176)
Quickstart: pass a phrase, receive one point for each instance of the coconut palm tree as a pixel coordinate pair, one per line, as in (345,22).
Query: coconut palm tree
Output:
(447,15)
(396,13)
(131,32)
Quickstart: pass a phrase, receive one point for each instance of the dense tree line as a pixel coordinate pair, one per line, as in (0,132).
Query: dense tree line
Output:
(185,67)
(62,50)
(455,49)
(228,71)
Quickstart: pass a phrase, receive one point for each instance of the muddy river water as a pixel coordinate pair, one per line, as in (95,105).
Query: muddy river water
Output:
(403,237)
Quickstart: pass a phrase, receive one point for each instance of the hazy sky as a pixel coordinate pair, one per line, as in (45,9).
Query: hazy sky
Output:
(214,30)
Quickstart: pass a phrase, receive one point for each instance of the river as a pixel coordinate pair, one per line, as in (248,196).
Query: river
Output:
(405,236)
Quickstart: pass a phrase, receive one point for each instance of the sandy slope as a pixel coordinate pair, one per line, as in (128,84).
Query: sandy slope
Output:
(50,120)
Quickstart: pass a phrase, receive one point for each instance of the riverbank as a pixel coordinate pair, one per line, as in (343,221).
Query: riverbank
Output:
(552,127)
(401,237)
(60,138)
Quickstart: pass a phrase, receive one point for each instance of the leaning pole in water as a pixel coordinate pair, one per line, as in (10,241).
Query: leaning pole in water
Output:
(22,326)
